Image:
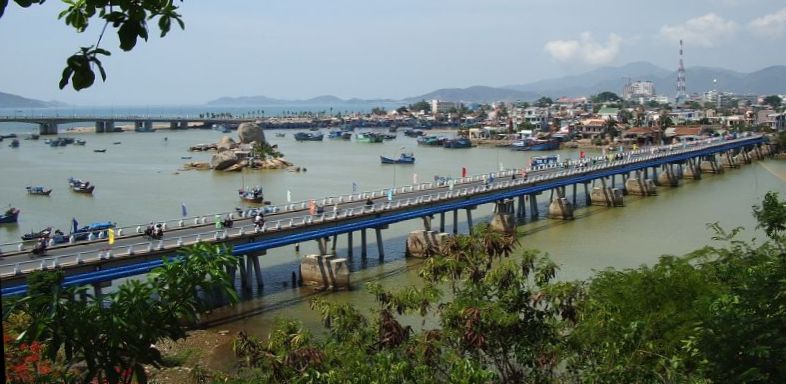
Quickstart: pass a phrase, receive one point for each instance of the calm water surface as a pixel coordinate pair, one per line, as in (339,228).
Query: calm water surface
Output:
(138,181)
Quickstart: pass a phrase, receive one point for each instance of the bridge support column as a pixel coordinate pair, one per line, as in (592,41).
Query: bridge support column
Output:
(668,177)
(469,219)
(322,245)
(349,245)
(334,244)
(173,124)
(442,221)
(380,245)
(100,126)
(455,221)
(691,169)
(253,263)
(533,206)
(148,125)
(363,249)
(423,244)
(325,271)
(98,293)
(245,284)
(560,208)
(711,165)
(427,223)
(728,161)
(521,213)
(47,128)
(640,186)
(574,196)
(183,124)
(503,219)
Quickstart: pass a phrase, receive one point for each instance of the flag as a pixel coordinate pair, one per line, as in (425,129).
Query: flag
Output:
(463,171)
(390,194)
(354,187)
(183,209)
(289,196)
(74,225)
(581,155)
(450,184)
(414,178)
(111,233)
(312,208)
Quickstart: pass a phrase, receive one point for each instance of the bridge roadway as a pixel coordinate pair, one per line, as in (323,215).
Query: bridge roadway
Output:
(292,223)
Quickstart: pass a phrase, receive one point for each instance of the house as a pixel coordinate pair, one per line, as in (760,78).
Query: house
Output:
(590,128)
(607,113)
(674,134)
(641,135)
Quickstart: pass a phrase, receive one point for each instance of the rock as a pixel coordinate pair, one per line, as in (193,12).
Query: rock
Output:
(196,165)
(226,143)
(223,332)
(250,132)
(223,160)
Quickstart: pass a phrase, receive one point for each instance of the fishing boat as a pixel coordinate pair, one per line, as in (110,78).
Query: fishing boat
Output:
(100,150)
(368,137)
(97,229)
(413,133)
(280,134)
(459,142)
(346,135)
(335,134)
(537,161)
(80,186)
(38,190)
(535,145)
(14,143)
(80,142)
(404,158)
(309,136)
(251,195)
(37,235)
(10,216)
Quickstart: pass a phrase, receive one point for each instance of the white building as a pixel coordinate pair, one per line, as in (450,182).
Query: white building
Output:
(639,89)
(438,106)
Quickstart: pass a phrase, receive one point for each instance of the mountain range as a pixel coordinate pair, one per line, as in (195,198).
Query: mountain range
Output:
(767,81)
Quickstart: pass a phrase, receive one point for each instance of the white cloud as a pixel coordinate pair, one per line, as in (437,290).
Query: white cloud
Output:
(585,49)
(707,31)
(772,25)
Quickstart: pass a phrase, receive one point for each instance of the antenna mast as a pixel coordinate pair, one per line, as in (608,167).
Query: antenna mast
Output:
(682,94)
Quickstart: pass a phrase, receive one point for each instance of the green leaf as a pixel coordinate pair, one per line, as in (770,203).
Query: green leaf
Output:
(83,78)
(67,72)
(128,33)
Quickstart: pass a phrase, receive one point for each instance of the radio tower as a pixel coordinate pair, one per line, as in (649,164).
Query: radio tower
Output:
(682,94)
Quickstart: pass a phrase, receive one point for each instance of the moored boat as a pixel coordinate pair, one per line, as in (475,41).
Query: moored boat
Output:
(80,186)
(10,216)
(309,136)
(459,142)
(14,143)
(251,195)
(404,158)
(369,137)
(334,134)
(38,190)
(100,150)
(37,235)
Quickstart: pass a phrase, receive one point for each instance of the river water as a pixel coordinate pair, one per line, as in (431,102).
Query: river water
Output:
(138,180)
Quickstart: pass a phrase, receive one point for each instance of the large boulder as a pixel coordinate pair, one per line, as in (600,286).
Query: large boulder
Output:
(226,143)
(250,132)
(223,160)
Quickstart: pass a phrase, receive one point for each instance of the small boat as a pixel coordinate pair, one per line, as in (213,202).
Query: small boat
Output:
(314,129)
(413,133)
(537,161)
(80,142)
(369,137)
(38,190)
(251,195)
(544,145)
(117,142)
(185,157)
(14,143)
(37,235)
(308,136)
(80,186)
(280,134)
(460,142)
(431,140)
(346,135)
(405,158)
(96,229)
(32,136)
(100,150)
(9,216)
(335,134)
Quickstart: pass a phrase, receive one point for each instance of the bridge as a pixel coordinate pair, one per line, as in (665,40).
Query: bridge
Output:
(604,180)
(49,125)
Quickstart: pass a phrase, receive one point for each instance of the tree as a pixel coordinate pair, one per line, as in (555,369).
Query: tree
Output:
(378,111)
(544,102)
(111,336)
(773,101)
(129,18)
(605,96)
(420,106)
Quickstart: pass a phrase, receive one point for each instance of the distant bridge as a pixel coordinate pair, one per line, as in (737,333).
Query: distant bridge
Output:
(48,125)
(94,262)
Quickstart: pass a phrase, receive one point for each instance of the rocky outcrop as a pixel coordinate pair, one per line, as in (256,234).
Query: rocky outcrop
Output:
(201,165)
(250,132)
(223,160)
(226,143)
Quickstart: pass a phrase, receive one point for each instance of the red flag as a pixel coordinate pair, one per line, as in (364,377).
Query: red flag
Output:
(581,155)
(463,171)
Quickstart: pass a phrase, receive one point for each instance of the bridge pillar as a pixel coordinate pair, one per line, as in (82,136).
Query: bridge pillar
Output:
(183,124)
(380,245)
(98,293)
(100,126)
(363,249)
(148,125)
(521,213)
(503,220)
(253,263)
(349,245)
(728,161)
(422,243)
(668,177)
(605,196)
(469,219)
(427,222)
(173,124)
(533,206)
(334,244)
(325,271)
(245,284)
(710,165)
(322,245)
(455,221)
(560,208)
(574,195)
(640,186)
(442,221)
(47,128)
(691,171)
(587,196)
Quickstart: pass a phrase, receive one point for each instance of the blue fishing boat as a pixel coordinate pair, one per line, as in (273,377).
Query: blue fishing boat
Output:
(9,216)
(97,229)
(309,136)
(460,142)
(335,134)
(537,161)
(38,190)
(405,158)
(535,145)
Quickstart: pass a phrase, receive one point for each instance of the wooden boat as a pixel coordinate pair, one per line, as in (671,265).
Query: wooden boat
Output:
(14,143)
(38,190)
(334,134)
(346,135)
(280,134)
(431,140)
(405,158)
(251,195)
(308,136)
(413,133)
(117,142)
(37,235)
(460,142)
(369,137)
(100,150)
(80,142)
(10,216)
(80,186)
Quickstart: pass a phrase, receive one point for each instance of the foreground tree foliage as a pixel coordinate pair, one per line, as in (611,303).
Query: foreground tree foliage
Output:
(130,19)
(109,339)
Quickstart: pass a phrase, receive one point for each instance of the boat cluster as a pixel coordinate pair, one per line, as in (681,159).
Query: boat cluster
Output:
(63,141)
(445,142)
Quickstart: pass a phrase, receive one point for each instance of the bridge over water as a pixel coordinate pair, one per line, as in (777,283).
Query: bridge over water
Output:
(598,181)
(48,125)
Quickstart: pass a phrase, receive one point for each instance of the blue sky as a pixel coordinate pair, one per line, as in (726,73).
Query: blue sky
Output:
(381,49)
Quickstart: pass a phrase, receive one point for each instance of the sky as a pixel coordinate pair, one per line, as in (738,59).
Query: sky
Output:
(298,49)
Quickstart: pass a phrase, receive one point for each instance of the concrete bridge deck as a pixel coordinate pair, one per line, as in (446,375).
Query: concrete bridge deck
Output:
(132,254)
